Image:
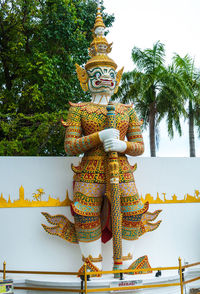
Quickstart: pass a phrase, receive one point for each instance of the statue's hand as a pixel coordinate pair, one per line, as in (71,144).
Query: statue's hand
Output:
(114,145)
(108,133)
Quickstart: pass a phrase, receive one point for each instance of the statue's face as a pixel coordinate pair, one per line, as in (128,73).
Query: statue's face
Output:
(102,80)
(99,31)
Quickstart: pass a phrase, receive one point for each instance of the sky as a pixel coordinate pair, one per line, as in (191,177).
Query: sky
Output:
(141,23)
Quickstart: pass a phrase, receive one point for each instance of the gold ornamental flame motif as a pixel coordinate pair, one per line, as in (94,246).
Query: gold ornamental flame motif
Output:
(114,169)
(82,76)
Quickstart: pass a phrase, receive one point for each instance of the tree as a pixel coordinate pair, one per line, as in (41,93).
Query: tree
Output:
(155,91)
(40,42)
(190,77)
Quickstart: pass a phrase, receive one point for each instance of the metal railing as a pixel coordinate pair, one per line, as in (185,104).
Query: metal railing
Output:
(84,289)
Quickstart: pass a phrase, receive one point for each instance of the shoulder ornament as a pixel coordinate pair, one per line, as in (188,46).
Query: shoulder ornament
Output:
(74,115)
(90,107)
(80,104)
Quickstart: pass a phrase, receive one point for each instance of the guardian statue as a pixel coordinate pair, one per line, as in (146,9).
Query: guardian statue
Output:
(106,202)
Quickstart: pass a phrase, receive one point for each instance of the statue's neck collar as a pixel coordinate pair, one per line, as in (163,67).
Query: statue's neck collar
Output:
(102,99)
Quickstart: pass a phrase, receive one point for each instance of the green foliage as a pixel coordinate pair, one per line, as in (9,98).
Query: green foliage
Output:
(189,75)
(40,41)
(32,134)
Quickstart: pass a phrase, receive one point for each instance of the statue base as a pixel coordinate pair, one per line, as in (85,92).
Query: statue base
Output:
(107,281)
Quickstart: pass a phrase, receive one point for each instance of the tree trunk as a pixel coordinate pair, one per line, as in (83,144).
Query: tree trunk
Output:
(152,113)
(191,131)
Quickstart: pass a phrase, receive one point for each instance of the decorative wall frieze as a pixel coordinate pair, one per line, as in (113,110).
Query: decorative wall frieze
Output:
(37,200)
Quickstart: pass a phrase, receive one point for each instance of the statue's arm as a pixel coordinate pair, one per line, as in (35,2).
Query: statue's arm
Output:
(135,144)
(76,144)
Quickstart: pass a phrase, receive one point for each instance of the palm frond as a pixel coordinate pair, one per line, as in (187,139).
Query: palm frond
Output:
(167,88)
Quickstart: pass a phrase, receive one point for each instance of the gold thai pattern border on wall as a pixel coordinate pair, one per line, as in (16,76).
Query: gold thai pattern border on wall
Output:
(37,200)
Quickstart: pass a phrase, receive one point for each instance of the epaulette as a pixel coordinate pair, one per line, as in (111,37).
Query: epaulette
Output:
(100,109)
(128,105)
(80,104)
(63,123)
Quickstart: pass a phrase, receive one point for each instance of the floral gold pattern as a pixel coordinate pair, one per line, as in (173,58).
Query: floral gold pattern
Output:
(93,259)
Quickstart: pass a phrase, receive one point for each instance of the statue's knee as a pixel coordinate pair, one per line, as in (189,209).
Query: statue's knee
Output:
(88,228)
(131,226)
(86,205)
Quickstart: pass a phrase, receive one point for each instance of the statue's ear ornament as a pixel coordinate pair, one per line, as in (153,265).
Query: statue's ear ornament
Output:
(118,78)
(82,76)
(109,49)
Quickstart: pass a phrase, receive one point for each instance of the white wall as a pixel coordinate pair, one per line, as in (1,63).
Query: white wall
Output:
(25,245)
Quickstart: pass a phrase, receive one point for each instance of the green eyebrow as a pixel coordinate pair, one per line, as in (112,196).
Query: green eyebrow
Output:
(95,69)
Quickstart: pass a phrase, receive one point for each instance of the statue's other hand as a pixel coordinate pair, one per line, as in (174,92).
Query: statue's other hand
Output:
(108,133)
(114,145)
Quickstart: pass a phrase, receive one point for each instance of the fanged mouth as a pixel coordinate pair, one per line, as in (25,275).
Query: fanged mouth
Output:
(104,82)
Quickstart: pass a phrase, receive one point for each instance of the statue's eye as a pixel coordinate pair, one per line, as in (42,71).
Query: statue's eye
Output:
(112,75)
(97,75)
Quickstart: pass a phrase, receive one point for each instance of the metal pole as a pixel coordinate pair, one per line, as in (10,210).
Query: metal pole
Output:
(113,172)
(180,273)
(4,270)
(81,286)
(85,276)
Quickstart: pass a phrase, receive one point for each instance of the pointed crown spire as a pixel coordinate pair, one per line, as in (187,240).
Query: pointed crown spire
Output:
(99,48)
(99,20)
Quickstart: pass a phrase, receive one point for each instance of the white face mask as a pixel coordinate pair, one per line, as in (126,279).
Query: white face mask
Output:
(102,80)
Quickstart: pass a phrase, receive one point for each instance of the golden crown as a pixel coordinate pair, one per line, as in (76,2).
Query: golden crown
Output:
(99,48)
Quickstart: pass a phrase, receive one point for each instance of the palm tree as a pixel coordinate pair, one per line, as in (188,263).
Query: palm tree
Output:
(154,89)
(190,77)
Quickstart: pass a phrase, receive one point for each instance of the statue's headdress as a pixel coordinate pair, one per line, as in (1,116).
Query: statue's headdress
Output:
(98,50)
